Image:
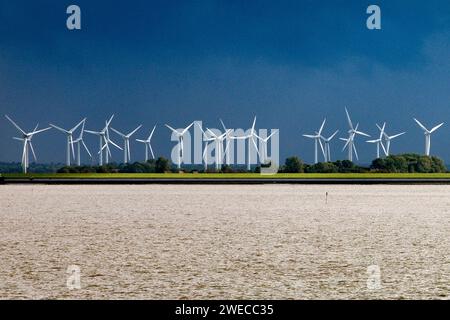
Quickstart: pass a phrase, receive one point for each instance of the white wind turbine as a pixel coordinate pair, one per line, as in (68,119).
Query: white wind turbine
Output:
(126,143)
(104,141)
(379,141)
(350,141)
(263,153)
(388,139)
(218,139)
(69,135)
(180,135)
(79,141)
(26,139)
(251,139)
(326,146)
(427,134)
(148,145)
(317,141)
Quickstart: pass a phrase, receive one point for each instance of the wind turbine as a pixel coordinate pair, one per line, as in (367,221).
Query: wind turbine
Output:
(317,141)
(427,134)
(104,141)
(327,146)
(251,139)
(69,134)
(379,141)
(26,139)
(126,143)
(388,140)
(180,135)
(218,139)
(263,153)
(350,141)
(79,141)
(148,144)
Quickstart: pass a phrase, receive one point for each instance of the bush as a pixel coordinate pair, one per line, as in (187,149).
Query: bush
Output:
(293,165)
(409,163)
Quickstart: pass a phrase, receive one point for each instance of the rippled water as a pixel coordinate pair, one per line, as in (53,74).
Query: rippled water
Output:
(227,242)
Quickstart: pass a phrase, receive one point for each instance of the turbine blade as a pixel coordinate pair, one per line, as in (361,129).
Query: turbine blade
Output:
(362,133)
(420,125)
(86,148)
(15,124)
(134,131)
(332,136)
(356,152)
(384,149)
(118,132)
(151,150)
(321,147)
(348,119)
(39,131)
(396,135)
(187,128)
(321,127)
(32,151)
(151,134)
(79,124)
(270,136)
(114,144)
(93,132)
(59,128)
(253,125)
(172,129)
(212,133)
(437,127)
(223,125)
(309,136)
(109,121)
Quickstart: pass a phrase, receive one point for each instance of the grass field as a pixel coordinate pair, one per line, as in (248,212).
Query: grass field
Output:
(228,176)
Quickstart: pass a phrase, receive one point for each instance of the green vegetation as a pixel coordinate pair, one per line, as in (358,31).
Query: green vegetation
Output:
(370,175)
(408,163)
(397,166)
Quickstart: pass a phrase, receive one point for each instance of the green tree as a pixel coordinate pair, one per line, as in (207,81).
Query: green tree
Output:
(293,165)
(162,165)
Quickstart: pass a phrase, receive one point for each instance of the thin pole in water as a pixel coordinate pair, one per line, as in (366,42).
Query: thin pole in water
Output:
(326,197)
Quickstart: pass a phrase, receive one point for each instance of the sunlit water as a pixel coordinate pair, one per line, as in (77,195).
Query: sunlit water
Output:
(227,242)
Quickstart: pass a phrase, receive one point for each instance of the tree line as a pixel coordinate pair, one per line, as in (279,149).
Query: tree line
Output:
(403,163)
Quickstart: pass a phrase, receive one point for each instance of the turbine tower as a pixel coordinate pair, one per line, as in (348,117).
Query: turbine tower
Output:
(80,142)
(379,141)
(326,142)
(427,134)
(69,135)
(104,142)
(148,144)
(350,141)
(263,153)
(26,139)
(126,143)
(317,141)
(388,140)
(180,135)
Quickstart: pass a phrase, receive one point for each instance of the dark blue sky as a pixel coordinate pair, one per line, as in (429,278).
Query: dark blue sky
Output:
(289,62)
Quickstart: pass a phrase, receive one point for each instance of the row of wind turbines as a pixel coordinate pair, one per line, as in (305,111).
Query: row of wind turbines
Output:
(383,142)
(221,142)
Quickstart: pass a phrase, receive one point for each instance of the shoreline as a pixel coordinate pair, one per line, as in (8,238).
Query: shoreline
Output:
(227,181)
